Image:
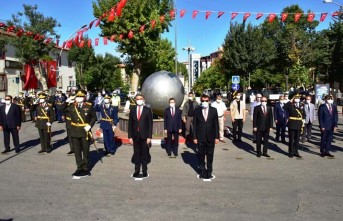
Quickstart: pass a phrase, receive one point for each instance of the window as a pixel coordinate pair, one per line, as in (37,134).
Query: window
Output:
(3,82)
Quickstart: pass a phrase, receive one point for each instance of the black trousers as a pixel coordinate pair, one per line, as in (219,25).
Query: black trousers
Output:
(281,130)
(326,140)
(307,133)
(15,137)
(237,127)
(172,146)
(81,148)
(44,136)
(262,135)
(206,149)
(293,143)
(141,155)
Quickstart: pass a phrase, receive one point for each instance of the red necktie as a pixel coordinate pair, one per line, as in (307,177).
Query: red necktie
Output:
(172,112)
(139,113)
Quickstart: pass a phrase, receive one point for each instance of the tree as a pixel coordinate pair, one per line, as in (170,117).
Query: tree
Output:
(211,78)
(31,50)
(136,13)
(335,36)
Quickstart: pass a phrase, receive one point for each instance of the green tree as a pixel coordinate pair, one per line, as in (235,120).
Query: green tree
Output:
(335,36)
(211,78)
(141,47)
(29,50)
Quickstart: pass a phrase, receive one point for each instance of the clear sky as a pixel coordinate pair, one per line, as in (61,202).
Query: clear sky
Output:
(204,35)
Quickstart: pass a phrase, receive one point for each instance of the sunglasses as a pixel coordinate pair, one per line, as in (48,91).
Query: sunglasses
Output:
(7,99)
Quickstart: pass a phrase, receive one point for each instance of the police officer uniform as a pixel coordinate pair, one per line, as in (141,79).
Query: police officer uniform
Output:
(45,115)
(82,117)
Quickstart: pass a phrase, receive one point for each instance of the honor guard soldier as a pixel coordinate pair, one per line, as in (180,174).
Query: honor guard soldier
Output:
(20,100)
(108,123)
(45,115)
(295,122)
(59,103)
(83,118)
(66,115)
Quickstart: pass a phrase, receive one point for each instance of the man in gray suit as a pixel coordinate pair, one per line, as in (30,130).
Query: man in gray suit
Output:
(310,117)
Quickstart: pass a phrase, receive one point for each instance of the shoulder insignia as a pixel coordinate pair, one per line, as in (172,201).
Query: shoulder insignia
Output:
(88,103)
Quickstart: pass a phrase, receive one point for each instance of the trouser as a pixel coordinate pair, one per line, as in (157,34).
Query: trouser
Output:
(221,127)
(259,136)
(281,130)
(15,137)
(81,147)
(70,141)
(98,115)
(32,115)
(237,127)
(23,115)
(59,115)
(108,136)
(45,138)
(293,143)
(325,142)
(206,149)
(189,126)
(141,155)
(307,131)
(172,146)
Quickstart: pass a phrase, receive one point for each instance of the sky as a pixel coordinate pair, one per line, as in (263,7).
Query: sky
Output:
(206,36)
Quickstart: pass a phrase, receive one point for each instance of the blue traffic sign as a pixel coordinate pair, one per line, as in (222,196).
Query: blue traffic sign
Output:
(235,87)
(235,79)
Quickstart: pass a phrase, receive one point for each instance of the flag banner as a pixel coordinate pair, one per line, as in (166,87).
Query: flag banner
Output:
(51,73)
(31,81)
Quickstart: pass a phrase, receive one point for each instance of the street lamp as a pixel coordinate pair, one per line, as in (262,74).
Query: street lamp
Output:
(340,8)
(189,49)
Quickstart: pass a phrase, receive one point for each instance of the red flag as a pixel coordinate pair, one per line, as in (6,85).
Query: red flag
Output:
(335,14)
(111,16)
(246,16)
(113,37)
(153,23)
(64,44)
(233,15)
(20,33)
(119,9)
(11,28)
(323,16)
(96,41)
(82,44)
(310,17)
(69,44)
(48,40)
(89,43)
(259,15)
(80,36)
(57,42)
(105,40)
(2,24)
(207,14)
(121,36)
(31,81)
(37,37)
(195,13)
(130,35)
(76,40)
(97,22)
(220,14)
(182,13)
(28,33)
(162,18)
(51,72)
(91,24)
(284,17)
(271,17)
(297,17)
(172,14)
(141,29)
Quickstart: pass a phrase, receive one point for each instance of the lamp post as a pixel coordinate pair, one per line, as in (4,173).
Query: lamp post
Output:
(340,8)
(189,49)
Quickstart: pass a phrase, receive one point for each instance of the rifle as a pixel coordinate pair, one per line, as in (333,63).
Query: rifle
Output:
(92,139)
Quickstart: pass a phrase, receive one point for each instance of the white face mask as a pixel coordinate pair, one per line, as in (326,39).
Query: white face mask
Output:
(297,100)
(41,101)
(7,102)
(139,102)
(190,98)
(99,95)
(264,103)
(79,99)
(107,101)
(308,101)
(219,100)
(204,104)
(172,104)
(238,97)
(330,101)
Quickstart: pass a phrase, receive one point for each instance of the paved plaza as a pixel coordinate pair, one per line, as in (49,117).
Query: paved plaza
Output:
(40,187)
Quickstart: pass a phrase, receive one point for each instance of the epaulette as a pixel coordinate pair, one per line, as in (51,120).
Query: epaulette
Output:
(88,103)
(49,104)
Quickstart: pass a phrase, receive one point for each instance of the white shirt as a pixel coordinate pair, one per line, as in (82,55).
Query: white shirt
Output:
(221,107)
(7,108)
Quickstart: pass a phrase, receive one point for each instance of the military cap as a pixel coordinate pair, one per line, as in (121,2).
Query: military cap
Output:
(42,95)
(107,96)
(80,93)
(297,95)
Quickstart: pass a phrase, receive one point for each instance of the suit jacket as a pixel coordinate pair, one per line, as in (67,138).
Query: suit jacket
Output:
(279,112)
(107,114)
(310,114)
(205,130)
(12,119)
(263,122)
(327,120)
(142,128)
(172,124)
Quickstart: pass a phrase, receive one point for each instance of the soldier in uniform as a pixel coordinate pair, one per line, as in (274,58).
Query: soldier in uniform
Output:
(20,100)
(108,122)
(295,122)
(82,117)
(66,116)
(59,103)
(45,115)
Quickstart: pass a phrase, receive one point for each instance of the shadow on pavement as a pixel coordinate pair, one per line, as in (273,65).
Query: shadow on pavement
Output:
(191,159)
(244,146)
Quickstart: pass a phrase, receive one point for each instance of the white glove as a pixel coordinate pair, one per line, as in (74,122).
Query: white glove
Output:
(114,127)
(48,124)
(87,128)
(68,100)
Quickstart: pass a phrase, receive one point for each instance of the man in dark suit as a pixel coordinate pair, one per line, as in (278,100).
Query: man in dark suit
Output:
(140,135)
(206,135)
(172,127)
(10,122)
(262,123)
(280,119)
(328,122)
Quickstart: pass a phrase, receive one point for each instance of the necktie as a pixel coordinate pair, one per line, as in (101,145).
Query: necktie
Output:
(172,112)
(239,106)
(308,108)
(205,114)
(79,107)
(139,112)
(330,109)
(264,110)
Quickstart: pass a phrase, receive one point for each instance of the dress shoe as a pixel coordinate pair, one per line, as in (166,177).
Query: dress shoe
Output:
(42,151)
(284,141)
(48,151)
(77,173)
(112,153)
(258,155)
(223,141)
(322,155)
(17,151)
(5,151)
(290,155)
(203,175)
(145,174)
(86,173)
(277,139)
(135,174)
(239,140)
(265,155)
(254,141)
(298,156)
(70,153)
(329,155)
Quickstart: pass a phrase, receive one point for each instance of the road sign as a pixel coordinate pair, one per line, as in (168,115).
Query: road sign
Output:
(235,79)
(235,87)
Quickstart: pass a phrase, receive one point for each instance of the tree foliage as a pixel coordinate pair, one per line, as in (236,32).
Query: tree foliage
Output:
(210,78)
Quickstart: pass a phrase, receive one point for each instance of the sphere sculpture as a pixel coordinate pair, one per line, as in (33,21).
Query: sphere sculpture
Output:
(159,87)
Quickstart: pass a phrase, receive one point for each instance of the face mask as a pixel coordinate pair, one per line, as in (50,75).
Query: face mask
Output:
(41,101)
(204,104)
(282,101)
(297,100)
(238,97)
(308,101)
(264,103)
(139,102)
(79,99)
(218,100)
(107,101)
(172,104)
(7,102)
(190,98)
(330,101)
(99,95)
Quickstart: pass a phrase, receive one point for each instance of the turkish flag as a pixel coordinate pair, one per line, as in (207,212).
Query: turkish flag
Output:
(113,37)
(259,15)
(162,18)
(172,14)
(20,33)
(96,41)
(76,40)
(82,44)
(153,23)
(323,16)
(105,40)
(130,35)
(91,24)
(97,22)
(51,72)
(121,36)
(207,15)
(271,17)
(89,43)
(220,14)
(119,9)
(69,43)
(310,17)
(335,14)
(141,29)
(31,81)
(111,16)
(246,16)
(233,15)
(195,13)
(284,17)
(182,13)
(297,17)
